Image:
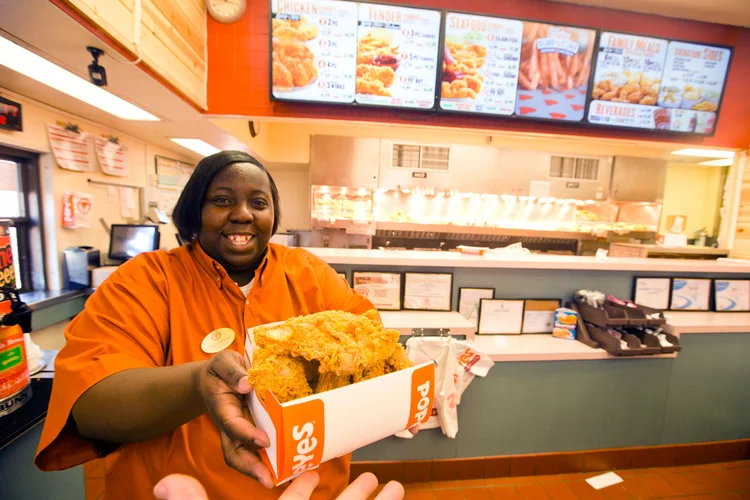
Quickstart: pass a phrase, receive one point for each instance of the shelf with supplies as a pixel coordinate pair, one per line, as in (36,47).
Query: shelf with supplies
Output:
(428,323)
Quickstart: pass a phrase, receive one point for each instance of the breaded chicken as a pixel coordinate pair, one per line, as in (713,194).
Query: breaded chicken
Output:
(343,342)
(331,381)
(282,375)
(383,73)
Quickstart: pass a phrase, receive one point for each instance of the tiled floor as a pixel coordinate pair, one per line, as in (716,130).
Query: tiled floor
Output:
(721,481)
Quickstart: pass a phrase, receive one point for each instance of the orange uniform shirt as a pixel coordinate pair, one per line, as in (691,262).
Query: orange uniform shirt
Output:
(154,311)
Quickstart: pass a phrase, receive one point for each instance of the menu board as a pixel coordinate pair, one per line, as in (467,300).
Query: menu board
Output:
(397,56)
(480,64)
(314,47)
(555,71)
(655,84)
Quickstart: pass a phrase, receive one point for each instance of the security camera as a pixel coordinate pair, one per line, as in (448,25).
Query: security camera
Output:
(97,74)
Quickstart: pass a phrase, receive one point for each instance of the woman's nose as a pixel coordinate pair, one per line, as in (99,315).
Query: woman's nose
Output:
(242,212)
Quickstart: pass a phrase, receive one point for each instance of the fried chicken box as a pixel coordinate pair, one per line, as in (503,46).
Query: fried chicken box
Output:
(306,432)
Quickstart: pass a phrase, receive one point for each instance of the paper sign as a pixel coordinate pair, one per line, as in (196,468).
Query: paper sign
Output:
(72,150)
(167,172)
(539,316)
(500,317)
(690,294)
(127,203)
(604,480)
(732,295)
(185,171)
(113,157)
(77,210)
(652,292)
(468,302)
(429,292)
(382,289)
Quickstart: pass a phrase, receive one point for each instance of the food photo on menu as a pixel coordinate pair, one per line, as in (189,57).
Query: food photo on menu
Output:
(555,70)
(397,56)
(313,50)
(480,64)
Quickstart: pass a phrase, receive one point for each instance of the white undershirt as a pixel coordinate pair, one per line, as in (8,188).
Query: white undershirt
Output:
(246,289)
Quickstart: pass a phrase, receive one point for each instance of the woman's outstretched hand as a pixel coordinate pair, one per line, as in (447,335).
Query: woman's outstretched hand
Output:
(181,487)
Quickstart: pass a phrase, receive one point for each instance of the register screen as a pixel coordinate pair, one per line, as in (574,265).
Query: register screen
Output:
(128,241)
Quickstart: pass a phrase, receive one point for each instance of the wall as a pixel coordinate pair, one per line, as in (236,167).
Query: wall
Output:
(56,181)
(238,79)
(695,192)
(172,43)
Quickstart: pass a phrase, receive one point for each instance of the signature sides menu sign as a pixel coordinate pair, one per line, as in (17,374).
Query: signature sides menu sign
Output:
(653,84)
(314,50)
(480,64)
(397,56)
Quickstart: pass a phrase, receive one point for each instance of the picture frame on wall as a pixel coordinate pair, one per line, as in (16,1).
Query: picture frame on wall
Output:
(468,302)
(343,276)
(652,292)
(539,315)
(382,289)
(500,317)
(690,294)
(731,295)
(428,291)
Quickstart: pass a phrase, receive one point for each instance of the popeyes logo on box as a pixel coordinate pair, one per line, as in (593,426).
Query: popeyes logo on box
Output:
(304,437)
(422,392)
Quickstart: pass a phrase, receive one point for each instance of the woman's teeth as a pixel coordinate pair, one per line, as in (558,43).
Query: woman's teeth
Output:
(239,239)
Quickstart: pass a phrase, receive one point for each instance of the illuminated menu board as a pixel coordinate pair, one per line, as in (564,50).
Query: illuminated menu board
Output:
(397,56)
(508,67)
(346,52)
(654,84)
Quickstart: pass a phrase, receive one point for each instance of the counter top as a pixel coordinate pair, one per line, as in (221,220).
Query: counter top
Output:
(688,250)
(544,348)
(679,323)
(406,321)
(415,258)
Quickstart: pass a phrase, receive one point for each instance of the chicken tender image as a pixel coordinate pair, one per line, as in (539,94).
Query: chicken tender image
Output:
(343,342)
(282,375)
(383,73)
(288,29)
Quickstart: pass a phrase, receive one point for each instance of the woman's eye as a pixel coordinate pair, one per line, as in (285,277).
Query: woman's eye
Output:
(260,203)
(221,200)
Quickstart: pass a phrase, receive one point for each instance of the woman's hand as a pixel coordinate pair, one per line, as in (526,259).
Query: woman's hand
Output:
(223,383)
(180,487)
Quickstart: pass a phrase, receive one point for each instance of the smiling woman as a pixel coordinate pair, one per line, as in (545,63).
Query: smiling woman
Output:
(140,369)
(238,213)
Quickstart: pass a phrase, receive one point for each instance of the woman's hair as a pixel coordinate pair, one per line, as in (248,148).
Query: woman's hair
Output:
(187,212)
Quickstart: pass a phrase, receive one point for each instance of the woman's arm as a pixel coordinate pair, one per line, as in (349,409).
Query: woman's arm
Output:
(143,403)
(140,403)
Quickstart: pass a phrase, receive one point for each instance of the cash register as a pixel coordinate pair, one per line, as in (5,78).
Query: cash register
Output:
(125,242)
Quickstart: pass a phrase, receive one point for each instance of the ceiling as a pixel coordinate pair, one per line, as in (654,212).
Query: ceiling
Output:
(41,27)
(732,12)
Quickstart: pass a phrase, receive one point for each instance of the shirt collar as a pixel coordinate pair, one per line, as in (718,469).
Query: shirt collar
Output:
(216,270)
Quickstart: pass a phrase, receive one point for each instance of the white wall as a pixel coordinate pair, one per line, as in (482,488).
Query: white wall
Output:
(56,181)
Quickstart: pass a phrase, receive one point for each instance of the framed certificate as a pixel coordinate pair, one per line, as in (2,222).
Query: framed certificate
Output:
(731,295)
(428,291)
(652,292)
(690,294)
(500,317)
(468,302)
(382,289)
(539,315)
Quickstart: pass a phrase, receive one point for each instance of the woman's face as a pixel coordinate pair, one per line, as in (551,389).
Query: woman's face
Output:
(237,217)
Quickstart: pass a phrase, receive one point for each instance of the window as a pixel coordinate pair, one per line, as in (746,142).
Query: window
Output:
(19,202)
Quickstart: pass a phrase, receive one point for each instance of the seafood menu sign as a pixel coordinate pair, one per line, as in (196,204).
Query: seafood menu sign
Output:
(654,84)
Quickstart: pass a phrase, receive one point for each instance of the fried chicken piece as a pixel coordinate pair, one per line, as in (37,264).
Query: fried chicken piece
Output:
(398,360)
(331,381)
(288,29)
(372,87)
(383,73)
(343,342)
(282,77)
(293,64)
(282,375)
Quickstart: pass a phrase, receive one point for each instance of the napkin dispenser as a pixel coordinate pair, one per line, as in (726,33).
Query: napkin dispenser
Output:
(78,262)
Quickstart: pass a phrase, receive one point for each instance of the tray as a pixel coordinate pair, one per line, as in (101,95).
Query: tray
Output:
(605,316)
(637,315)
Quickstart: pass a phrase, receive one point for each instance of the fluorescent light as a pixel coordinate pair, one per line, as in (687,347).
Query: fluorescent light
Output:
(196,145)
(722,162)
(705,153)
(27,63)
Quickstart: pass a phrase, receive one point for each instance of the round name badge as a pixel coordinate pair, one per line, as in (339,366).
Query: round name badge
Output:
(218,340)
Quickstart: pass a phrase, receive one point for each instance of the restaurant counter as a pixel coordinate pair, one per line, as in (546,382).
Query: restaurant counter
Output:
(551,395)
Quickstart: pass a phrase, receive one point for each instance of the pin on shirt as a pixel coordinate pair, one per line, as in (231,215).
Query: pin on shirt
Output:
(217,340)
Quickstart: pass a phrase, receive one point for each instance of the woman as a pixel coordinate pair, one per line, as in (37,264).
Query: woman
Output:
(133,376)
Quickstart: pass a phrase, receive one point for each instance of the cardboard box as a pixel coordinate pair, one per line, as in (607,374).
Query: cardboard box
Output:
(307,432)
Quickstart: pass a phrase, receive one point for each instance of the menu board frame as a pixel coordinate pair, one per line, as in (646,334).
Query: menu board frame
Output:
(354,103)
(730,48)
(513,116)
